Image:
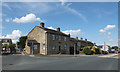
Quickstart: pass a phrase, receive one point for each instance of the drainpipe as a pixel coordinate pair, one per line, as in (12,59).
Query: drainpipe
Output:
(74,50)
(32,48)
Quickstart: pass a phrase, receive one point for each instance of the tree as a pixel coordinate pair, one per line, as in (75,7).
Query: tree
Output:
(5,46)
(22,41)
(115,47)
(12,47)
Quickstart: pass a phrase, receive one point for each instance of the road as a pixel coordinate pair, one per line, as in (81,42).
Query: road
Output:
(23,62)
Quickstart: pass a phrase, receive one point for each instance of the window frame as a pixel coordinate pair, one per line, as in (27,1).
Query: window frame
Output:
(53,37)
(53,47)
(43,48)
(60,37)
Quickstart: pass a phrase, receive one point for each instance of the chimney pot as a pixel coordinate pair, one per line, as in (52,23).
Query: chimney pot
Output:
(69,34)
(41,24)
(76,38)
(58,29)
(81,38)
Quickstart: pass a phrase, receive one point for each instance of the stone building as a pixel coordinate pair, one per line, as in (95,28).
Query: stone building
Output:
(41,40)
(6,41)
(78,44)
(46,41)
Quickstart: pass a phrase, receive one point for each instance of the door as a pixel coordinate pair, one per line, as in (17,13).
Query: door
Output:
(59,48)
(36,49)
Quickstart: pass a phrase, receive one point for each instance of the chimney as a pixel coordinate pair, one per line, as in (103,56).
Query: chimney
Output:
(76,38)
(69,34)
(81,38)
(85,39)
(41,24)
(58,29)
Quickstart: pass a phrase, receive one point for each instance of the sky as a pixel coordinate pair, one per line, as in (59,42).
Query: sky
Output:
(95,21)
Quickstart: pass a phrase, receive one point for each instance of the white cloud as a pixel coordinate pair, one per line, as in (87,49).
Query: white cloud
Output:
(110,39)
(73,32)
(78,13)
(102,31)
(109,27)
(15,41)
(51,28)
(109,33)
(8,19)
(28,18)
(15,34)
(62,2)
(6,5)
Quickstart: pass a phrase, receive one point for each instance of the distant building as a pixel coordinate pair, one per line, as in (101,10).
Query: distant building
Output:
(6,41)
(41,40)
(104,48)
(0,46)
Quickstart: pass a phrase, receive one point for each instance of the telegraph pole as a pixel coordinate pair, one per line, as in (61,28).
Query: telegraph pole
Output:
(104,47)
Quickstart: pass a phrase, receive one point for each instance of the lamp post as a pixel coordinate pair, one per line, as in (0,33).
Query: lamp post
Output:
(104,47)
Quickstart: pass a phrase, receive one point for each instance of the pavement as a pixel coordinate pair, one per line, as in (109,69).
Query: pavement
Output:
(60,62)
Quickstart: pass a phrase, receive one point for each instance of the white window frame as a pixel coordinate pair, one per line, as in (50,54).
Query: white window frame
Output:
(53,47)
(53,37)
(60,37)
(65,38)
(35,47)
(65,46)
(43,47)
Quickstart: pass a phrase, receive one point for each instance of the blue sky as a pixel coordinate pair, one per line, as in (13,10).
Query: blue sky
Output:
(96,21)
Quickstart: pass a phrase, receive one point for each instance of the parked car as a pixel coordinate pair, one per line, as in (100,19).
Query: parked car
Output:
(112,51)
(118,51)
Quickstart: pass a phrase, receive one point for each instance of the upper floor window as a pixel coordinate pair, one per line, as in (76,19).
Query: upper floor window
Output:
(53,37)
(5,40)
(65,38)
(43,47)
(65,46)
(78,43)
(53,47)
(59,37)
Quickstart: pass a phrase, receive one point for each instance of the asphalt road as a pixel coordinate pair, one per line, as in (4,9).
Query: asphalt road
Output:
(23,62)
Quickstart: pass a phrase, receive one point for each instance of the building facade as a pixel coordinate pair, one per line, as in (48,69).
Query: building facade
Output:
(41,40)
(6,41)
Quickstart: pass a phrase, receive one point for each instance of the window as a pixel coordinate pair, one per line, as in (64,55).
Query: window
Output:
(43,47)
(5,41)
(59,37)
(53,37)
(65,38)
(53,47)
(65,46)
(78,43)
(35,46)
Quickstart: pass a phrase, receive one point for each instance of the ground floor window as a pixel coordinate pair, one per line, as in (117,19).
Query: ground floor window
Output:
(53,47)
(43,47)
(35,46)
(65,46)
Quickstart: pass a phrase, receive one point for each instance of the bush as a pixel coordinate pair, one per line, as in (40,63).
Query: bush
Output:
(97,51)
(87,50)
